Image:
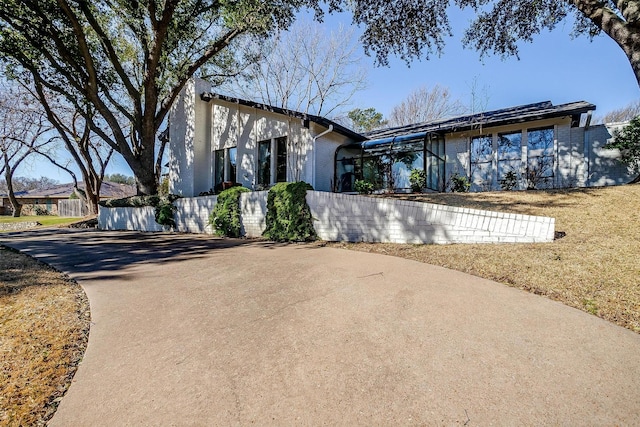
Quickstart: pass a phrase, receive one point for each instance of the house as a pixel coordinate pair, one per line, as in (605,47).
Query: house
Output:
(217,141)
(537,145)
(48,198)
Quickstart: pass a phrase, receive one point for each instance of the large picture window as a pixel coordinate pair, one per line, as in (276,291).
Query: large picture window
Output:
(481,161)
(218,172)
(264,162)
(224,167)
(509,154)
(272,161)
(281,159)
(540,157)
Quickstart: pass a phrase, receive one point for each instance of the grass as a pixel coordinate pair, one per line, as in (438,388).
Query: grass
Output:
(44,324)
(45,220)
(595,267)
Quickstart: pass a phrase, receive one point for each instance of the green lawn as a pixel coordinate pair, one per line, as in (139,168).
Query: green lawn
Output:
(46,221)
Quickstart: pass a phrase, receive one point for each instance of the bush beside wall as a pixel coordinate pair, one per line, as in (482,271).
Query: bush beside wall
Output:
(225,217)
(288,214)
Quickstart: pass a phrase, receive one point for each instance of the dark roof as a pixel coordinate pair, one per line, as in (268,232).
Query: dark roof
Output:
(207,96)
(107,190)
(506,116)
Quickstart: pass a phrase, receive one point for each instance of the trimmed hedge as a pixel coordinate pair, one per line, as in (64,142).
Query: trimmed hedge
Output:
(288,214)
(225,217)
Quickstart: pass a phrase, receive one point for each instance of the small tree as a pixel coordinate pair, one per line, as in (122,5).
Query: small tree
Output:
(365,120)
(627,140)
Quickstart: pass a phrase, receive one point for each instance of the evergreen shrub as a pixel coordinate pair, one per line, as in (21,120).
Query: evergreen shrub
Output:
(288,214)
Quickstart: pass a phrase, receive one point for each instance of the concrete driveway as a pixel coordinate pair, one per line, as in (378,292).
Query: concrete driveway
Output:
(192,330)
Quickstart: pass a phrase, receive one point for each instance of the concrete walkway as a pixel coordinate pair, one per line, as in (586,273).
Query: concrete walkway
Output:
(192,330)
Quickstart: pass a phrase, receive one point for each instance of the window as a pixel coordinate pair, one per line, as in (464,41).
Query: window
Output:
(435,163)
(218,173)
(233,160)
(224,164)
(540,158)
(264,162)
(481,160)
(281,159)
(269,173)
(509,153)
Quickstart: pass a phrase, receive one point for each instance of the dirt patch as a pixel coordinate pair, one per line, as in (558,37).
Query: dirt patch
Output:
(45,325)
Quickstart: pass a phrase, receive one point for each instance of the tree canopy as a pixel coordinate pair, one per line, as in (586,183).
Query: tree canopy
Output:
(126,61)
(365,120)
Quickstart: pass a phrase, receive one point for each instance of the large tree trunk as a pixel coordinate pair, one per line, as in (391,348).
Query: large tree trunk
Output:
(144,170)
(15,205)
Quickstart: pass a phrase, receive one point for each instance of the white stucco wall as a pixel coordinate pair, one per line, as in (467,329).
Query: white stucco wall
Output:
(198,128)
(602,165)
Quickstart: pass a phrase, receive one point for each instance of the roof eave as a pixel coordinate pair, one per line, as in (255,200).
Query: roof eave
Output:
(209,96)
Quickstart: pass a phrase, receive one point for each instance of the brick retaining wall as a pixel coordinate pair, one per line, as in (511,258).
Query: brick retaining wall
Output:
(342,217)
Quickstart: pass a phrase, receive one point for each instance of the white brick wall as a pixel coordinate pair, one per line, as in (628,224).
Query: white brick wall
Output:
(253,210)
(141,219)
(360,218)
(192,214)
(342,217)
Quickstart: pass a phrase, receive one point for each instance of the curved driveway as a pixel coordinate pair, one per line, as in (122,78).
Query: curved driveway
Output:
(192,330)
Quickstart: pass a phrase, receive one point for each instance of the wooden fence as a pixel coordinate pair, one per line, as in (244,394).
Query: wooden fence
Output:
(72,207)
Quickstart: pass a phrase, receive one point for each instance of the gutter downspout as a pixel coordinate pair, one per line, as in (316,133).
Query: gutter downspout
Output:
(587,151)
(313,155)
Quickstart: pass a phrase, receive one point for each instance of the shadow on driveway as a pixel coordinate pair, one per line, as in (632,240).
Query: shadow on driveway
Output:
(103,253)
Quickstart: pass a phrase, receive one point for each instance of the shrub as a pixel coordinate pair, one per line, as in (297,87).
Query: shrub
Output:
(627,141)
(288,214)
(363,187)
(225,217)
(509,181)
(460,183)
(164,212)
(40,211)
(418,179)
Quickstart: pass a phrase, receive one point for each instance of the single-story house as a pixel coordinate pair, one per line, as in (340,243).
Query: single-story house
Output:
(217,141)
(48,198)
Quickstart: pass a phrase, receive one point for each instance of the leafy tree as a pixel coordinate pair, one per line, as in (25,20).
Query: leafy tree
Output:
(126,61)
(425,104)
(412,29)
(365,120)
(627,140)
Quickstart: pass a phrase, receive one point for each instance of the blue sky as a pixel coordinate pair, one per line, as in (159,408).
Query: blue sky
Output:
(554,67)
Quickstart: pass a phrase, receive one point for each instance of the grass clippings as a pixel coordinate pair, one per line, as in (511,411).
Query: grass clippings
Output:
(44,326)
(595,267)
